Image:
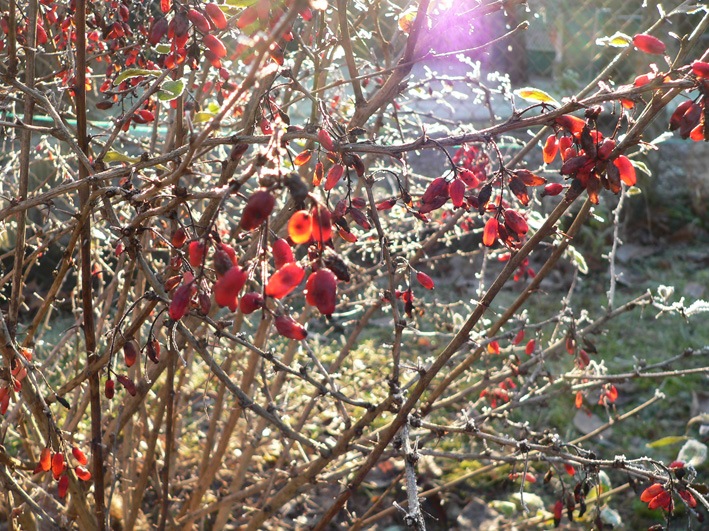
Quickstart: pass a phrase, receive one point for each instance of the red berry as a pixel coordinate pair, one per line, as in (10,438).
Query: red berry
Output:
(300,226)
(250,302)
(257,209)
(197,250)
(45,459)
(227,288)
(215,45)
(285,280)
(57,464)
(181,301)
(82,473)
(326,140)
(63,486)
(457,192)
(199,20)
(216,15)
(649,44)
(282,253)
(130,352)
(321,290)
(490,232)
(290,328)
(110,389)
(551,147)
(424,280)
(334,176)
(179,238)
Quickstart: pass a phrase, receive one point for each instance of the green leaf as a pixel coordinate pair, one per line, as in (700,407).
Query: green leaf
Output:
(241,3)
(115,156)
(171,90)
(504,507)
(617,40)
(666,441)
(535,95)
(163,49)
(634,190)
(642,167)
(202,116)
(135,72)
(579,260)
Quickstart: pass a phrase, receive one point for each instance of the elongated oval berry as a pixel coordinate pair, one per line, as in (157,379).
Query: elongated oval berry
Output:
(469,178)
(424,280)
(318,175)
(158,29)
(215,45)
(180,302)
(290,328)
(571,123)
(197,250)
(321,290)
(216,15)
(518,338)
(648,44)
(181,24)
(690,120)
(110,389)
(303,158)
(300,226)
(282,253)
(285,280)
(179,237)
(515,222)
(687,497)
(326,140)
(153,351)
(45,459)
(57,464)
(530,179)
(257,209)
(650,492)
(226,289)
(664,499)
(199,20)
(626,169)
(130,352)
(82,473)
(438,187)
(127,384)
(490,232)
(676,118)
(519,189)
(250,302)
(63,486)
(457,192)
(552,189)
(605,149)
(248,17)
(322,224)
(165,5)
(551,147)
(529,349)
(334,176)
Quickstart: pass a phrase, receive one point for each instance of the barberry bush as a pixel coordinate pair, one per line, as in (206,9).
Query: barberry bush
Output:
(226,304)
